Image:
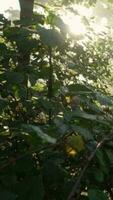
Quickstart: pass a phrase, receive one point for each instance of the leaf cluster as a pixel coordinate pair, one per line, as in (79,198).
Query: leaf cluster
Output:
(46,109)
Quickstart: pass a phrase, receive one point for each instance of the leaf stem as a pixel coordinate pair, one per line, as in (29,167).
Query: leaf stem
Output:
(50,83)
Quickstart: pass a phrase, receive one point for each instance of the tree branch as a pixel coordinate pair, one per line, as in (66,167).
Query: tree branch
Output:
(90,158)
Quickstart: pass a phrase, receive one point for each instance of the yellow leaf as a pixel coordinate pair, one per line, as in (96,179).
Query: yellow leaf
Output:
(70,151)
(76,142)
(68,99)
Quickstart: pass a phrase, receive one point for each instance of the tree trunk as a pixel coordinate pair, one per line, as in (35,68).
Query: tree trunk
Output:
(26,14)
(26,9)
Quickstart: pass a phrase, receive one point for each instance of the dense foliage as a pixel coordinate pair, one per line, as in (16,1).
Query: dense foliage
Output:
(56,134)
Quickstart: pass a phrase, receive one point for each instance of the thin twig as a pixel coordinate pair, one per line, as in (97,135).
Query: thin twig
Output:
(90,158)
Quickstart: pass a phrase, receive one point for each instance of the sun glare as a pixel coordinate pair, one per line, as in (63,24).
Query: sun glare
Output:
(74,19)
(101,26)
(75,24)
(5,4)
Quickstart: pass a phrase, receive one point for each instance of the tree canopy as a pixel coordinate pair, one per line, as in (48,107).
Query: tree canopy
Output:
(56,107)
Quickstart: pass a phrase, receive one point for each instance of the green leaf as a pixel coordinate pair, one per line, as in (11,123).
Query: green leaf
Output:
(3,49)
(109,156)
(39,87)
(100,157)
(3,104)
(103,99)
(96,194)
(99,176)
(7,195)
(31,188)
(55,20)
(53,174)
(62,128)
(83,131)
(79,88)
(40,133)
(76,142)
(90,117)
(102,162)
(50,37)
(14,77)
(38,18)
